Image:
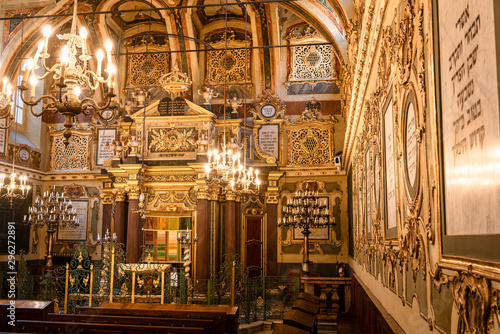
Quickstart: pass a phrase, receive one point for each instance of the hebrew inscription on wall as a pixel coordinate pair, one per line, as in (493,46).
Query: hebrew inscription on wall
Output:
(470,117)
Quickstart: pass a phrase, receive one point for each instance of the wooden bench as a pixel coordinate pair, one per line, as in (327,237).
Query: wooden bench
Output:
(309,297)
(306,306)
(36,326)
(24,309)
(207,324)
(301,320)
(225,318)
(287,329)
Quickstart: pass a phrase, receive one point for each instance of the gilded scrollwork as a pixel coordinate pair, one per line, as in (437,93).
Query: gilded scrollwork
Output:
(473,295)
(170,178)
(172,139)
(171,201)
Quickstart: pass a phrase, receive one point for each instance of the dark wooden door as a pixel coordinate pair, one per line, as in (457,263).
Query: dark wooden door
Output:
(253,246)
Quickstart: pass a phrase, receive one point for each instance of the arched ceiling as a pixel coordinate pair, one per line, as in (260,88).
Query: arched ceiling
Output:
(328,17)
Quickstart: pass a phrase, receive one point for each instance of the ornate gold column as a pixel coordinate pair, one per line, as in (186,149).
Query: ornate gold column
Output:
(107,211)
(202,255)
(120,223)
(232,231)
(272,198)
(134,227)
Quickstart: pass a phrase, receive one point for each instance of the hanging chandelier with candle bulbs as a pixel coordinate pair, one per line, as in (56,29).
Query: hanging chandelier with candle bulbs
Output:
(13,189)
(71,76)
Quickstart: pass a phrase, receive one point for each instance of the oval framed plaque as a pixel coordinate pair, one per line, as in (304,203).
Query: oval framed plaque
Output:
(410,145)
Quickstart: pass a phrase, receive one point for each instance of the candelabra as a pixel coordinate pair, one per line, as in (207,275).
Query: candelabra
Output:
(70,76)
(54,211)
(14,190)
(305,211)
(106,239)
(186,241)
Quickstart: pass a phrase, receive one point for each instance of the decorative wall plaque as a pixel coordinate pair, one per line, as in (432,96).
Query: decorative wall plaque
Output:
(376,179)
(104,153)
(390,170)
(3,133)
(469,128)
(76,233)
(24,154)
(410,145)
(269,139)
(368,182)
(163,106)
(268,111)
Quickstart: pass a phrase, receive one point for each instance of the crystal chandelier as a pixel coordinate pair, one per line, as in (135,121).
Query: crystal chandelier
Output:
(71,74)
(54,211)
(305,211)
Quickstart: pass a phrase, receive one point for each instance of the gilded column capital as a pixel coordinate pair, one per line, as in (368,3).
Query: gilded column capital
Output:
(202,192)
(230,195)
(272,197)
(213,196)
(121,195)
(133,193)
(107,198)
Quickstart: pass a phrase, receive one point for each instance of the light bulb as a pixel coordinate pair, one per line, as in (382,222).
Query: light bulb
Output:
(111,69)
(30,64)
(47,31)
(100,55)
(65,54)
(77,91)
(108,45)
(5,80)
(83,33)
(33,80)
